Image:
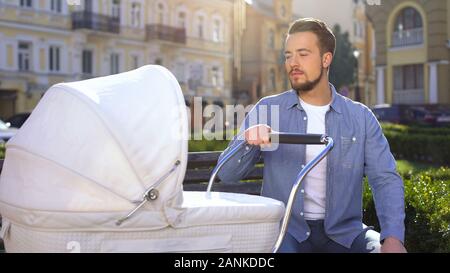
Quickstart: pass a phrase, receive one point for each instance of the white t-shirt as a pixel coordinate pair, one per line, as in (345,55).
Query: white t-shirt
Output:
(315,181)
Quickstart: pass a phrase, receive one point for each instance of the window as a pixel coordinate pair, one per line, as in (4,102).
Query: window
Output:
(181,19)
(358,28)
(56,6)
(272,78)
(115,9)
(408,28)
(88,6)
(215,76)
(54,63)
(114,63)
(24,56)
(408,77)
(160,14)
(135,14)
(283,11)
(409,84)
(180,73)
(87,62)
(135,61)
(271,39)
(195,76)
(200,23)
(26,3)
(407,19)
(216,30)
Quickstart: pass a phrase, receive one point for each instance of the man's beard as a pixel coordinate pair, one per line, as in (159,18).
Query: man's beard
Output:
(308,85)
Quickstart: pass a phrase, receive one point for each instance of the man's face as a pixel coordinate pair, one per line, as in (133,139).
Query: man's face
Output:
(303,60)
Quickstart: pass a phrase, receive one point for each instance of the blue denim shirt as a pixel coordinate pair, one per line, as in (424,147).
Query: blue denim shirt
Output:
(360,149)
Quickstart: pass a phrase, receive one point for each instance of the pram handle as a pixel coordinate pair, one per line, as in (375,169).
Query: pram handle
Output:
(328,141)
(285,138)
(293,138)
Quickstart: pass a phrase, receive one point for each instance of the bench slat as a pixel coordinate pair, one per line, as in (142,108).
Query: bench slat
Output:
(205,159)
(203,175)
(202,159)
(253,188)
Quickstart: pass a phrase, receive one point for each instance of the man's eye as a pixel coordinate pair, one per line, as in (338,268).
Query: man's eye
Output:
(287,57)
(303,55)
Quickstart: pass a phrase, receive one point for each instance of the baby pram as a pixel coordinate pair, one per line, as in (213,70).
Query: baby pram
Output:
(99,166)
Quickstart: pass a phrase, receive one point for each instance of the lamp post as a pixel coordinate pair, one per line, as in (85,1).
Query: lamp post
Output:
(356,54)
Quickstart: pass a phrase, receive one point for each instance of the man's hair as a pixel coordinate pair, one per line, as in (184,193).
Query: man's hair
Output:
(327,40)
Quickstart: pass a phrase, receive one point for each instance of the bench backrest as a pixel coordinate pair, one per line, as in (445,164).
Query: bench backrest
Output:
(199,168)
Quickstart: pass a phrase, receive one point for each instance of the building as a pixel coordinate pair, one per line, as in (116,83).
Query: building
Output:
(46,42)
(352,19)
(412,51)
(263,72)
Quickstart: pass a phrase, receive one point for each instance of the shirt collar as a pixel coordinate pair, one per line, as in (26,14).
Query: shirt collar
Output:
(336,100)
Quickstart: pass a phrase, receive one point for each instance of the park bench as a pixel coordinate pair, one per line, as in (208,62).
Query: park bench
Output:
(199,168)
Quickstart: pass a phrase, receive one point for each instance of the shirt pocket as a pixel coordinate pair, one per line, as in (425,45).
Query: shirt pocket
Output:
(352,150)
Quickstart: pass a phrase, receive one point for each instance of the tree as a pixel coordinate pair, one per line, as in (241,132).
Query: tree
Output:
(342,71)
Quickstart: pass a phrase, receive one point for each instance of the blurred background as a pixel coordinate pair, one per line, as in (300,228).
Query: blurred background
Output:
(226,51)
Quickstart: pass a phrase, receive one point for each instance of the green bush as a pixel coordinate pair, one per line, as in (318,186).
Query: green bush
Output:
(207,145)
(429,148)
(390,127)
(2,150)
(204,144)
(427,208)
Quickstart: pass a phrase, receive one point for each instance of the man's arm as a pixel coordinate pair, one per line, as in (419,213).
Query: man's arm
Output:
(244,160)
(386,184)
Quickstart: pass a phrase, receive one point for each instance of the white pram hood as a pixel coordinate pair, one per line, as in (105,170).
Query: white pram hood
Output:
(96,146)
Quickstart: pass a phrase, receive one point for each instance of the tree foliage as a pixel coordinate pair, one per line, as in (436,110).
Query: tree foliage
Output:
(342,71)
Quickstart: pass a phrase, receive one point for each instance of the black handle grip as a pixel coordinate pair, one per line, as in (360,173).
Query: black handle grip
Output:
(293,138)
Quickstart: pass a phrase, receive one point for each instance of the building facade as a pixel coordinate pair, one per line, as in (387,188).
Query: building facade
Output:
(263,72)
(46,42)
(412,51)
(351,17)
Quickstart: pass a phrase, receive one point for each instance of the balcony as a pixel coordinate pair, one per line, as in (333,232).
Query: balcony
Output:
(409,96)
(407,37)
(166,33)
(94,21)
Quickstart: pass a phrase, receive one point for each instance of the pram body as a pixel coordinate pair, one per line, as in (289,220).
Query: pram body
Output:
(88,154)
(99,167)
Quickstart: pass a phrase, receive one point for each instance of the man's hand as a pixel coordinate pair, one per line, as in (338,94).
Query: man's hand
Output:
(258,135)
(392,245)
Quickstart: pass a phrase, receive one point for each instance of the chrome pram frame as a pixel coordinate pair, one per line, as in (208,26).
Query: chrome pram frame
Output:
(284,138)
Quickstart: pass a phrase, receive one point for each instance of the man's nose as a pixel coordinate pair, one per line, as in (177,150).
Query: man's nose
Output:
(293,61)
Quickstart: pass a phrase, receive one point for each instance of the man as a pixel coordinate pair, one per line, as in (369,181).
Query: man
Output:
(327,214)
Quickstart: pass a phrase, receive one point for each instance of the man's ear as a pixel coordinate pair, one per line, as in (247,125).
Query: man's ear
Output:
(327,59)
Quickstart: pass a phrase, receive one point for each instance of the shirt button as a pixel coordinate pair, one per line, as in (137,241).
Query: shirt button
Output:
(305,118)
(303,166)
(302,191)
(301,213)
(247,148)
(239,161)
(308,233)
(354,139)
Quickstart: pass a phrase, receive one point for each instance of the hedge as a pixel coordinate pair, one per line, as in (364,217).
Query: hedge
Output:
(2,150)
(433,148)
(422,130)
(427,208)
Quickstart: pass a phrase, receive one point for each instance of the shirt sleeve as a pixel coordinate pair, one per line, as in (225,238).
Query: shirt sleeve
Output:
(384,180)
(244,159)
